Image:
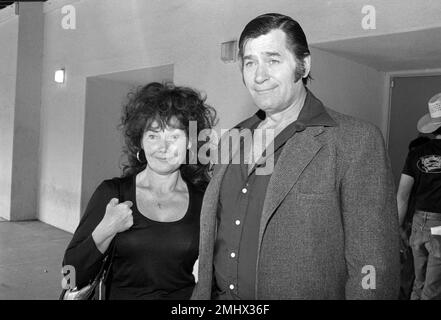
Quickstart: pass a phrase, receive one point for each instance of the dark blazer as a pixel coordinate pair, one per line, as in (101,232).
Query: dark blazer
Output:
(329,225)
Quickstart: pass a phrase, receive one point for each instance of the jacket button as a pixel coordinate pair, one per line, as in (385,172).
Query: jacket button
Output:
(231,286)
(244,190)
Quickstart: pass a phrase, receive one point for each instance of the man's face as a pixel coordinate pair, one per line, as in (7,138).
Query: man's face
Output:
(269,72)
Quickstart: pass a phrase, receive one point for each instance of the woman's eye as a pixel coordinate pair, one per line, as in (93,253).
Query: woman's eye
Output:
(151,136)
(249,64)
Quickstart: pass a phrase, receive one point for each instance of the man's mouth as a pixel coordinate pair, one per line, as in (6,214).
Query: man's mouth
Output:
(263,91)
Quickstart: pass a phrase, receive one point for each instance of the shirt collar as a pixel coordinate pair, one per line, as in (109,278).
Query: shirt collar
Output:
(312,114)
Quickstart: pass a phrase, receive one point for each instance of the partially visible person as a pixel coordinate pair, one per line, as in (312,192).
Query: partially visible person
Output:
(422,173)
(156,226)
(407,219)
(406,257)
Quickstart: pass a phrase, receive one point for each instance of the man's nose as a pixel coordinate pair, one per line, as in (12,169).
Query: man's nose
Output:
(261,73)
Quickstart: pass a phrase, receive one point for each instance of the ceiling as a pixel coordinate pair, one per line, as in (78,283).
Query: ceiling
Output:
(5,4)
(413,50)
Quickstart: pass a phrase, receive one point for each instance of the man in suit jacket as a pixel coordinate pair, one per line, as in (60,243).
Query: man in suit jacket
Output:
(323,223)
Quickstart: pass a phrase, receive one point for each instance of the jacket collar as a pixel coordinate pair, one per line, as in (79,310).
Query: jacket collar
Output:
(312,114)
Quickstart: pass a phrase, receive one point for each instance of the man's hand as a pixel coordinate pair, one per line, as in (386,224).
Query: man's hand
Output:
(404,238)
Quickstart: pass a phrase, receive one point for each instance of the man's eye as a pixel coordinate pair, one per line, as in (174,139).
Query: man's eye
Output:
(273,61)
(249,63)
(152,136)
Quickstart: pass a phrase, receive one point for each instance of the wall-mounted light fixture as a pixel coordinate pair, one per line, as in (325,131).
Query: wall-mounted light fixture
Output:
(59,76)
(229,51)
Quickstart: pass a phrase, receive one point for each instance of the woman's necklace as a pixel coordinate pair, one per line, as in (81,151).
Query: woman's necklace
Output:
(161,203)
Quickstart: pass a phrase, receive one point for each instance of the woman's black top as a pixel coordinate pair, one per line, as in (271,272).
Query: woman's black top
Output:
(152,260)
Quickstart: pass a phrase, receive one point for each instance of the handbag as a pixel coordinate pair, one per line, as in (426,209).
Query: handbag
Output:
(95,290)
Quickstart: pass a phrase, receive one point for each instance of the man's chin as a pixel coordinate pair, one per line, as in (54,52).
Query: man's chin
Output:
(265,107)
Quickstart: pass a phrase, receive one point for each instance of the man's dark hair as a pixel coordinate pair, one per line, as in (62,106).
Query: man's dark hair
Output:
(295,37)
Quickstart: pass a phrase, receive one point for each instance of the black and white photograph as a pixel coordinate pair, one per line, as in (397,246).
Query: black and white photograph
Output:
(206,152)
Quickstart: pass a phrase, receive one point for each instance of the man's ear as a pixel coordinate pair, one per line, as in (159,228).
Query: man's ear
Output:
(306,66)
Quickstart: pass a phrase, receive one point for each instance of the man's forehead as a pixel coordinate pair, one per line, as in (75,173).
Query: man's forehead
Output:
(271,43)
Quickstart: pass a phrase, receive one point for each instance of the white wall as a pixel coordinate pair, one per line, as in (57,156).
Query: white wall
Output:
(115,36)
(8,74)
(349,87)
(27,112)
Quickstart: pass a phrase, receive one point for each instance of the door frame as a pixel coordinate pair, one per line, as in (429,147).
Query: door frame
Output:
(388,89)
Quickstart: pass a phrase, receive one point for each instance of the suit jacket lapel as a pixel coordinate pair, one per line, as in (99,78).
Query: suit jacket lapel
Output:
(296,155)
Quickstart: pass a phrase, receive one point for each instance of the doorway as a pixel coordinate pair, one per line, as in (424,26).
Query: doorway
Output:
(409,97)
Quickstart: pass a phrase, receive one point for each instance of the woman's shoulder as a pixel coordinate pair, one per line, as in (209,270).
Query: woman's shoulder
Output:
(115,184)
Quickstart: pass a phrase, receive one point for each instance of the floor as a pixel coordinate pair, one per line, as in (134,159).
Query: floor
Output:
(30,260)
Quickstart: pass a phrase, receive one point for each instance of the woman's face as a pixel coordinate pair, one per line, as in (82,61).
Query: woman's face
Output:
(165,150)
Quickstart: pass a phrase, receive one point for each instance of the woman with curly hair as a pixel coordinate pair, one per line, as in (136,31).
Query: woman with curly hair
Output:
(150,216)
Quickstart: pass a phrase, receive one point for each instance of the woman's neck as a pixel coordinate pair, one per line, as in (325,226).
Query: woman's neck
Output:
(160,183)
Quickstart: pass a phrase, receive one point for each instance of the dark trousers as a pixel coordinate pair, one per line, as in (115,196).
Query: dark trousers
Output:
(426,250)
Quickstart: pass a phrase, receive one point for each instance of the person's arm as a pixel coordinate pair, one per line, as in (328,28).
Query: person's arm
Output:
(404,189)
(370,219)
(82,252)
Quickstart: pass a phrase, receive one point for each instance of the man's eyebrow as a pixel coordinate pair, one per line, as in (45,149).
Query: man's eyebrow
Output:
(272,54)
(266,53)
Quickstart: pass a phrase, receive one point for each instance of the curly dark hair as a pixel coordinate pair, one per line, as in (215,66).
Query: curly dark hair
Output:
(165,103)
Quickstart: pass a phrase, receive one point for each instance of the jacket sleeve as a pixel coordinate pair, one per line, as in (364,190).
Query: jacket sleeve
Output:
(82,253)
(370,220)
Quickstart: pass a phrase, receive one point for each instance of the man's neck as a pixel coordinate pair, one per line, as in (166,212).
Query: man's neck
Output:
(291,113)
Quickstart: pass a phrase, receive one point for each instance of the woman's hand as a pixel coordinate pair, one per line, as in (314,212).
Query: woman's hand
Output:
(118,218)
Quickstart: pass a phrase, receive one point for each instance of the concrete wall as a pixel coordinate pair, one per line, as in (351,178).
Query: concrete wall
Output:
(8,75)
(112,36)
(349,87)
(25,175)
(21,42)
